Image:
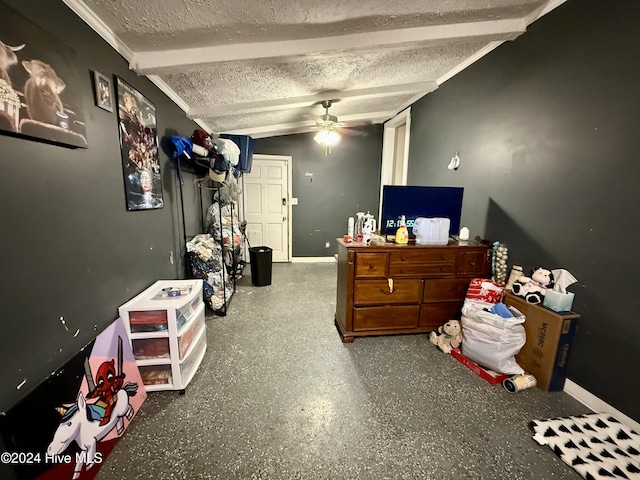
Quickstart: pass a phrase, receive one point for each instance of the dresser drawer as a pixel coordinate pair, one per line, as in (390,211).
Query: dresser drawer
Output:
(371,265)
(387,317)
(376,292)
(424,256)
(472,263)
(422,270)
(445,290)
(435,314)
(424,263)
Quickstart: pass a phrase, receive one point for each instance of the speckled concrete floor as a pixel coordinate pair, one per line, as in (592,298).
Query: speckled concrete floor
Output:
(279,396)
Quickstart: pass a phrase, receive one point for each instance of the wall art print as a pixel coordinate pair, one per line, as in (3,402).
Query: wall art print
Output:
(65,428)
(103,97)
(139,148)
(40,84)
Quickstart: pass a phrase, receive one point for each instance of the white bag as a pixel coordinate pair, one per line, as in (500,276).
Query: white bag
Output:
(491,340)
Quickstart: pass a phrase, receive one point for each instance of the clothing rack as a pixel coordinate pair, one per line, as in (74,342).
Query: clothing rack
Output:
(187,272)
(225,232)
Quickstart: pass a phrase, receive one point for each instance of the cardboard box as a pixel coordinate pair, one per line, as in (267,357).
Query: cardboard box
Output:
(550,336)
(489,375)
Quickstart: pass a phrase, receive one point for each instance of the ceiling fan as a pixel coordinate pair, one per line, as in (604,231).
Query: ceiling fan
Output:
(328,125)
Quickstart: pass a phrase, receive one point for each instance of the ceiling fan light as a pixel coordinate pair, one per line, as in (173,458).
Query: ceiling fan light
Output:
(327,137)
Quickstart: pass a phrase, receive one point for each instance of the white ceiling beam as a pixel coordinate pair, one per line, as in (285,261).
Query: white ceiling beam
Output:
(308,100)
(157,61)
(307,125)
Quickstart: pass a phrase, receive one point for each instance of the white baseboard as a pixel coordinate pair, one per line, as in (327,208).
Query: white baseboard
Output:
(598,405)
(313,260)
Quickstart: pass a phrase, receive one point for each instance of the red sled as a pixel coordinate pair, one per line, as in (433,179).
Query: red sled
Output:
(490,376)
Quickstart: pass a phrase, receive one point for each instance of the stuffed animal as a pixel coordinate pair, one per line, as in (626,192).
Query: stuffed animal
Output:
(532,289)
(448,336)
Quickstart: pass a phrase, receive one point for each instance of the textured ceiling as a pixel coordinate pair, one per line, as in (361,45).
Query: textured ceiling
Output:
(263,68)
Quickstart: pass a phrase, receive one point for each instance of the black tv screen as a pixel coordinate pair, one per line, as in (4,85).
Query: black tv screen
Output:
(418,201)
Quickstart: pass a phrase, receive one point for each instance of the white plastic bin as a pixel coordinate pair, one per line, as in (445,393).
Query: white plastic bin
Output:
(431,231)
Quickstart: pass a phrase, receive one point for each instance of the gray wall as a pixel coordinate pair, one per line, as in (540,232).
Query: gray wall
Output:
(547,129)
(68,246)
(344,182)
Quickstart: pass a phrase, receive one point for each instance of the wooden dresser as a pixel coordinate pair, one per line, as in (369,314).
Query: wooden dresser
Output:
(391,288)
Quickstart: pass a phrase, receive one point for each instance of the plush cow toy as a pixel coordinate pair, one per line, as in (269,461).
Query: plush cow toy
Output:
(533,289)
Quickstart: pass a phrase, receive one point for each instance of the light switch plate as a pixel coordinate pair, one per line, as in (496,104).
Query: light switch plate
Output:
(294,200)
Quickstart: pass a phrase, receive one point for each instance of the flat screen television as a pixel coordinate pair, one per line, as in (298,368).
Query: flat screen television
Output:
(418,201)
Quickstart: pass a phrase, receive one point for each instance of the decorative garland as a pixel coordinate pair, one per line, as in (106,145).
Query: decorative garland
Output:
(499,257)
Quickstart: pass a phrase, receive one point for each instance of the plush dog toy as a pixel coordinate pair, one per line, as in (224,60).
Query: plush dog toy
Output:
(448,336)
(532,289)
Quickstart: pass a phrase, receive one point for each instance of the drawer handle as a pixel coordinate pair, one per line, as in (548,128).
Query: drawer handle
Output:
(473,264)
(371,266)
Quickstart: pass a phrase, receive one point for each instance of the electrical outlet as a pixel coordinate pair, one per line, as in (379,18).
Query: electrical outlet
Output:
(327,245)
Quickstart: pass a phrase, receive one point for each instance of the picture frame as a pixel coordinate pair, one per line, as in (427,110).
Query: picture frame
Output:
(139,148)
(103,91)
(41,85)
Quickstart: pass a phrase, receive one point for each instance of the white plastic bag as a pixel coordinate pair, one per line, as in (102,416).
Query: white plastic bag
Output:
(491,340)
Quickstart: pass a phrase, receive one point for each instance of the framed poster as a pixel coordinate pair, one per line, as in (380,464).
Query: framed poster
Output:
(40,84)
(139,148)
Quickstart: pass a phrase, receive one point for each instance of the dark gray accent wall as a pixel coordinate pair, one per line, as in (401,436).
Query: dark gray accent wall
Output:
(547,127)
(68,247)
(343,183)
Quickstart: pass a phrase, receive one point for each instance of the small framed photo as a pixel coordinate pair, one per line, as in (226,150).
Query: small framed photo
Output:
(104,98)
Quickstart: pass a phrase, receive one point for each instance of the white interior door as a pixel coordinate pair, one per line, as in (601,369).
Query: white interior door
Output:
(395,152)
(266,204)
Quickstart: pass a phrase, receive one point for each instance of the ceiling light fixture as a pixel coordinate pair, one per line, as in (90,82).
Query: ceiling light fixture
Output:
(328,135)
